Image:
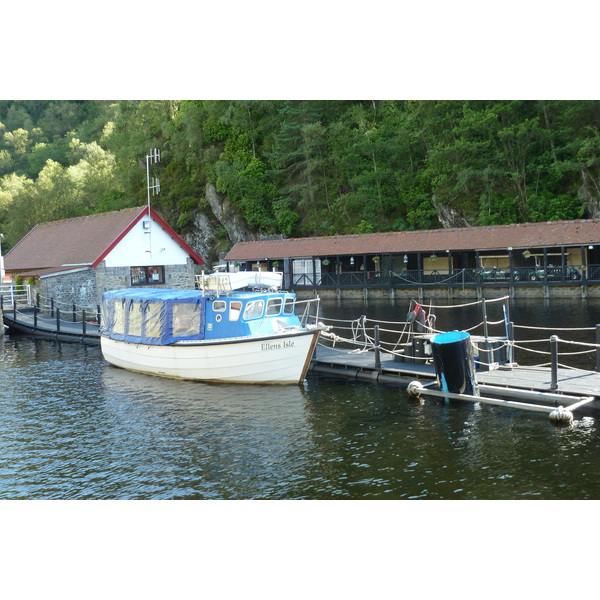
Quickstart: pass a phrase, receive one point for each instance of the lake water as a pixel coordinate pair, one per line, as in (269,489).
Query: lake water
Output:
(74,427)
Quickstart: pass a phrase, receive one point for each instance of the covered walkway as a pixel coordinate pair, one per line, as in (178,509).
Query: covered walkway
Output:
(549,254)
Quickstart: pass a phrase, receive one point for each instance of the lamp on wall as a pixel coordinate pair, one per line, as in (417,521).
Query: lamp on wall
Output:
(405,258)
(352,260)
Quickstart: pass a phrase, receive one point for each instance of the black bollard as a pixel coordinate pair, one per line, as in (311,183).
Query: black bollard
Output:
(454,364)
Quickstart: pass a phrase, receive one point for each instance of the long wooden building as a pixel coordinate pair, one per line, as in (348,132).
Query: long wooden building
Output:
(528,255)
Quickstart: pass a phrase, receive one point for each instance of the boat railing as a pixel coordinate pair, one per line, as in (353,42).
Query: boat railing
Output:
(308,312)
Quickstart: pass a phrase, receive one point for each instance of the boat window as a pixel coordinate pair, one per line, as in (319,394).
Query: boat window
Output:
(153,320)
(119,323)
(186,319)
(254,309)
(135,319)
(235,308)
(219,305)
(273,306)
(288,309)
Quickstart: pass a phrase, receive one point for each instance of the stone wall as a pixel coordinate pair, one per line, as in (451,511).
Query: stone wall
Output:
(77,288)
(85,288)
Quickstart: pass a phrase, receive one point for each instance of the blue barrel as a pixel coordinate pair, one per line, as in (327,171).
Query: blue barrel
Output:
(454,364)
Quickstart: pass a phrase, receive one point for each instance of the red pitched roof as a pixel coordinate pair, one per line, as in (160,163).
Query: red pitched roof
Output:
(497,237)
(82,241)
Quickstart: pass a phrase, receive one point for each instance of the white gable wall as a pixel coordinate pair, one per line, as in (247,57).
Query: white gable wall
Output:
(146,247)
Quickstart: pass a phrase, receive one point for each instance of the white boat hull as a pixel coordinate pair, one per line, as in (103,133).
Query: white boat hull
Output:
(273,359)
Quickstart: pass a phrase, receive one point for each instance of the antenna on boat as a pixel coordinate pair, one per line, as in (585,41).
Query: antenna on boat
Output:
(153,185)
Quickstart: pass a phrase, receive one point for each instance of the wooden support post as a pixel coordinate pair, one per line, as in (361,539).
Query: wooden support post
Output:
(598,349)
(35,316)
(74,315)
(57,320)
(554,365)
(83,322)
(377,352)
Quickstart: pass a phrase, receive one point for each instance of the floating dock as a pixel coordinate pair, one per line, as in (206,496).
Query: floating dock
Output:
(361,366)
(516,387)
(55,327)
(369,351)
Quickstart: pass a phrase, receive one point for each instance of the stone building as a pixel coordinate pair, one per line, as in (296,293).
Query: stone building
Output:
(75,260)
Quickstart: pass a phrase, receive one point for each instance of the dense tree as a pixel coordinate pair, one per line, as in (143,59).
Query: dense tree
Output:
(303,167)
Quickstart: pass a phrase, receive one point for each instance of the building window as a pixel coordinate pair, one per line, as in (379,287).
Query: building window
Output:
(147,275)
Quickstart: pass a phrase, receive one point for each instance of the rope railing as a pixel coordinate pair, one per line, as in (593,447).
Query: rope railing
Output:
(466,304)
(555,328)
(363,335)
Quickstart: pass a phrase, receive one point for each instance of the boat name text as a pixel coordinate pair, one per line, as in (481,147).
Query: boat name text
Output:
(276,346)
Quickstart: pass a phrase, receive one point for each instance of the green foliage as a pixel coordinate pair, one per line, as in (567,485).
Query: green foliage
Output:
(303,167)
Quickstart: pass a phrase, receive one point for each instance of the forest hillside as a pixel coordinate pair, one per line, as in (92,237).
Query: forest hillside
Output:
(233,170)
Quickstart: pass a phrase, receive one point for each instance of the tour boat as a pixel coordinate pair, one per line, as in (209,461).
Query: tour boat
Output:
(236,328)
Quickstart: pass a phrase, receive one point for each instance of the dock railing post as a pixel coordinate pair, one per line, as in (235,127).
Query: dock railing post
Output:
(485,322)
(57,320)
(377,352)
(74,313)
(83,321)
(35,316)
(554,365)
(598,347)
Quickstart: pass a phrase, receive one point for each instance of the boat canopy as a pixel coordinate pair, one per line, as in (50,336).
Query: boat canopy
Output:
(153,316)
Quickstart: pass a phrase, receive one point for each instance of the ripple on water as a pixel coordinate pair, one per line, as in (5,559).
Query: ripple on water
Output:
(73,427)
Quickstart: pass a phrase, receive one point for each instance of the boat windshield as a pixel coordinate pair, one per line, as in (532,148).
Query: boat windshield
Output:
(254,309)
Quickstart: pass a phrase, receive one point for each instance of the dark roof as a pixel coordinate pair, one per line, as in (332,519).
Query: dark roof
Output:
(75,243)
(497,237)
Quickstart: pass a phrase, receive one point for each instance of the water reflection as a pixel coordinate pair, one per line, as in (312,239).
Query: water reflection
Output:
(226,441)
(72,426)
